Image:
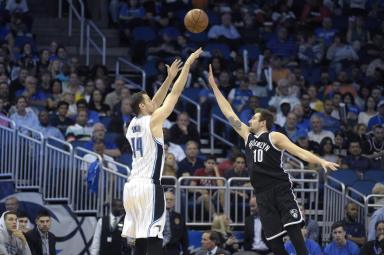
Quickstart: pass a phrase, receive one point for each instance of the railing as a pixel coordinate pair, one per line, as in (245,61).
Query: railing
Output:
(239,192)
(118,72)
(57,171)
(216,136)
(356,197)
(91,26)
(334,201)
(7,147)
(81,18)
(29,158)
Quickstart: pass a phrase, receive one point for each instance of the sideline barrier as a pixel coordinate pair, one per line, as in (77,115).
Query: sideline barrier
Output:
(7,147)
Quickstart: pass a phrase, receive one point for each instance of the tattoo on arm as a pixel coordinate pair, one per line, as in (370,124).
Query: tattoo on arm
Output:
(235,122)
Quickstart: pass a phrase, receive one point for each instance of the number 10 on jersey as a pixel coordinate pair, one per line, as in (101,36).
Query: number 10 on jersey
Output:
(258,155)
(137,146)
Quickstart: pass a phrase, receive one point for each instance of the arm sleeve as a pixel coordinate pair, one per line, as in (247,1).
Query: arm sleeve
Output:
(3,250)
(95,247)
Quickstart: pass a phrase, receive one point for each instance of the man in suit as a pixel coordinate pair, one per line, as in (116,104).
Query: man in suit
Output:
(40,240)
(175,232)
(209,244)
(254,240)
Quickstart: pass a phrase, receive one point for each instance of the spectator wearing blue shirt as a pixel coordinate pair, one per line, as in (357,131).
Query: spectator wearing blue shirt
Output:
(326,33)
(355,160)
(313,248)
(248,109)
(36,97)
(93,116)
(282,45)
(238,97)
(378,119)
(340,245)
(354,229)
(329,122)
(46,129)
(98,134)
(191,162)
(24,116)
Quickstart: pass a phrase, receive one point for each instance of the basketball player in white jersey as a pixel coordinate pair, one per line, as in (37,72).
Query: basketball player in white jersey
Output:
(144,201)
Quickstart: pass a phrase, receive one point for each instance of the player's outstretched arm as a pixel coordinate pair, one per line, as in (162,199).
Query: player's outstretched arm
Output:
(226,108)
(283,143)
(160,114)
(172,72)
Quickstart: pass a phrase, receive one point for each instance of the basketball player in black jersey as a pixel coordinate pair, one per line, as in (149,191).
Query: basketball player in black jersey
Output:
(279,211)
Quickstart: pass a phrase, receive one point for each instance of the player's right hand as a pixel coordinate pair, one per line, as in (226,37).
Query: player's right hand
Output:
(195,55)
(329,165)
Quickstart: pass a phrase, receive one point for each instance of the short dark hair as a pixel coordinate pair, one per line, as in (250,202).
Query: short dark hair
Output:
(336,225)
(377,223)
(213,236)
(82,102)
(21,97)
(21,214)
(267,116)
(136,100)
(60,103)
(210,157)
(43,213)
(8,213)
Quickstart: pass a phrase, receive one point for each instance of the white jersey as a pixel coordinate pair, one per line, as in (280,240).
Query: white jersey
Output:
(147,151)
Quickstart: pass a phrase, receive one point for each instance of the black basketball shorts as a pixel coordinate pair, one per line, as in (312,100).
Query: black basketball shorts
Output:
(278,209)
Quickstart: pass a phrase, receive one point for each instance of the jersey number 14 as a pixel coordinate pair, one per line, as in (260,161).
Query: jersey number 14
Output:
(258,156)
(137,146)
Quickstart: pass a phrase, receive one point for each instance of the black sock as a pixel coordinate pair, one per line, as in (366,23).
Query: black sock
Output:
(294,232)
(141,246)
(155,246)
(277,246)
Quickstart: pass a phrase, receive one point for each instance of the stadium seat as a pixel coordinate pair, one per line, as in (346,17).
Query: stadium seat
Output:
(192,93)
(105,120)
(363,186)
(198,37)
(143,34)
(171,32)
(348,177)
(220,48)
(253,51)
(374,175)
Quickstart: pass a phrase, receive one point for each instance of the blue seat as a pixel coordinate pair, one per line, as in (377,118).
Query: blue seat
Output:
(348,177)
(150,67)
(105,120)
(219,48)
(144,34)
(374,175)
(170,31)
(197,37)
(253,51)
(192,93)
(363,186)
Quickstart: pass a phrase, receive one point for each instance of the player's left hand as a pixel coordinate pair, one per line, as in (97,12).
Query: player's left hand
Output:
(174,69)
(329,165)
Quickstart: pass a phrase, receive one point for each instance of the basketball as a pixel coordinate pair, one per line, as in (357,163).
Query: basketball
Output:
(196,21)
(199,3)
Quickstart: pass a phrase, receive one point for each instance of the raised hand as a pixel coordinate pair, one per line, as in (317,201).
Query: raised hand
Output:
(174,69)
(211,78)
(329,165)
(195,55)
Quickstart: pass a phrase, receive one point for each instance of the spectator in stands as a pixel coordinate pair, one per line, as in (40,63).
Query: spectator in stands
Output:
(313,247)
(23,222)
(311,226)
(374,148)
(107,237)
(173,148)
(183,130)
(329,122)
(254,239)
(221,225)
(355,230)
(377,216)
(60,119)
(121,118)
(226,31)
(310,55)
(40,239)
(340,245)
(80,131)
(210,170)
(125,94)
(248,110)
(281,44)
(55,94)
(302,122)
(20,9)
(209,244)
(239,97)
(115,96)
(74,85)
(341,146)
(317,132)
(313,13)
(24,115)
(11,204)
(370,111)
(170,169)
(46,129)
(239,168)
(5,96)
(98,134)
(378,119)
(36,98)
(375,247)
(96,103)
(282,93)
(355,160)
(327,150)
(12,240)
(175,231)
(93,116)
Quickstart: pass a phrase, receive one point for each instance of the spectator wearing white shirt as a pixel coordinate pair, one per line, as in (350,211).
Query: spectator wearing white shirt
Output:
(24,116)
(80,131)
(317,133)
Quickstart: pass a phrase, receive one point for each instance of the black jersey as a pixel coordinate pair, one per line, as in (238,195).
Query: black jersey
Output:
(264,162)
